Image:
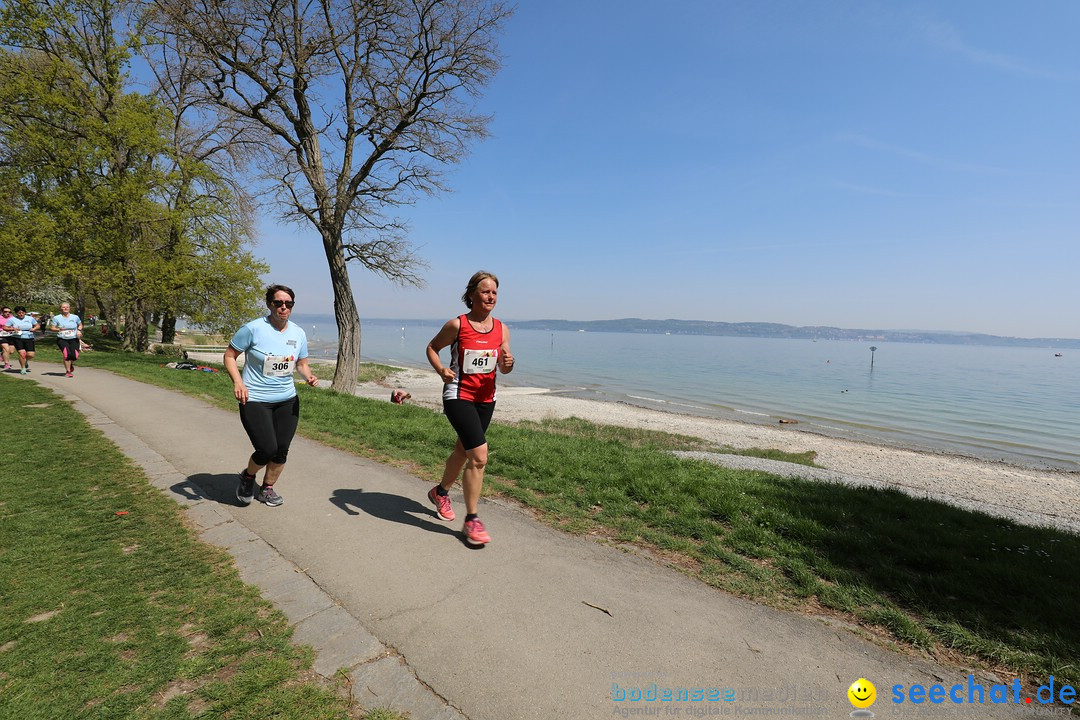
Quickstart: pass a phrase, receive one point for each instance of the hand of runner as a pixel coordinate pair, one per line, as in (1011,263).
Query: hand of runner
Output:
(312,381)
(240,392)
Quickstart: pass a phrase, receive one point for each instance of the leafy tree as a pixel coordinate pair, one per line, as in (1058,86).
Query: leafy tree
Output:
(355,106)
(27,151)
(101,197)
(98,145)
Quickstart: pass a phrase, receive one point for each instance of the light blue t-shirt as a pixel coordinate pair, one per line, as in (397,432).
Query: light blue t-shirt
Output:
(68,325)
(23,326)
(270,357)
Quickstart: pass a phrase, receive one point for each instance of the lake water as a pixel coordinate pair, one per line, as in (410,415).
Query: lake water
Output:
(1019,405)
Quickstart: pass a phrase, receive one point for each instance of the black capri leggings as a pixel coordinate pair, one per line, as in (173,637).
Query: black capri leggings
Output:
(69,348)
(270,427)
(470,420)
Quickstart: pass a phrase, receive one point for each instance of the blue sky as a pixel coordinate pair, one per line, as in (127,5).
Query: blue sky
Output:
(895,165)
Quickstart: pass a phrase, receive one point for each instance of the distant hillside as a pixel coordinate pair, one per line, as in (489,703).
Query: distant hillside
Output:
(775,330)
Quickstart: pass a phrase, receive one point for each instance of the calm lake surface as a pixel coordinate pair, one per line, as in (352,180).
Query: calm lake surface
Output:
(1018,405)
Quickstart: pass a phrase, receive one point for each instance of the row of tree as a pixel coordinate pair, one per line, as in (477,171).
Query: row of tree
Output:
(333,112)
(109,193)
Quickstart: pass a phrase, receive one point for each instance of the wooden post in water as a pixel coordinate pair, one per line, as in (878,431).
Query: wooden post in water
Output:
(873,349)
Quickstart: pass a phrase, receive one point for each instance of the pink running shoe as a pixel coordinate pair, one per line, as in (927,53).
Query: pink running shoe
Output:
(475,534)
(441,503)
(68,375)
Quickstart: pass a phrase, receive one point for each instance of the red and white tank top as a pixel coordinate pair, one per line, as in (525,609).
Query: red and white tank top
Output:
(473,358)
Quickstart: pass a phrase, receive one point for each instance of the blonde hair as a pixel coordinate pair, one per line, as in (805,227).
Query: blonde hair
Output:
(474,282)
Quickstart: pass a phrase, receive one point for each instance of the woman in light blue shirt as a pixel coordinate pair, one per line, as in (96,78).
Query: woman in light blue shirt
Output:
(24,327)
(68,329)
(273,347)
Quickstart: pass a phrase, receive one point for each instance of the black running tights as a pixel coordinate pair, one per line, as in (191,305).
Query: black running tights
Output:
(270,427)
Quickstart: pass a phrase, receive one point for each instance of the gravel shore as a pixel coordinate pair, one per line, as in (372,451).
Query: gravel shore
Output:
(1029,496)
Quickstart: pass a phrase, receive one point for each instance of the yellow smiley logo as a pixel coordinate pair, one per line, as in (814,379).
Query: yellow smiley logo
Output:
(862,693)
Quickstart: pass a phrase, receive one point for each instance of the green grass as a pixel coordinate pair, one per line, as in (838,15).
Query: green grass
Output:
(109,615)
(921,573)
(369,372)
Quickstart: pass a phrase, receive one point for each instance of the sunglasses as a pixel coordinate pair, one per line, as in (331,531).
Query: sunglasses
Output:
(286,303)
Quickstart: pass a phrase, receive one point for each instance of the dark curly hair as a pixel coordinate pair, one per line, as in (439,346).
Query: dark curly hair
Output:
(272,290)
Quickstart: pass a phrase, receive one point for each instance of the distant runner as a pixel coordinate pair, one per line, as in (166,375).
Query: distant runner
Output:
(478,344)
(68,329)
(7,336)
(25,327)
(273,348)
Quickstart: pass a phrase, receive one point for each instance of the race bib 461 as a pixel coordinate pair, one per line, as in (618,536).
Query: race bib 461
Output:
(479,361)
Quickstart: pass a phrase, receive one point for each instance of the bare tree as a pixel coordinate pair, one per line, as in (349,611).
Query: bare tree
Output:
(358,104)
(208,202)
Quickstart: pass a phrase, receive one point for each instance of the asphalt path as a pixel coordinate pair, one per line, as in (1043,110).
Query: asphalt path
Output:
(537,624)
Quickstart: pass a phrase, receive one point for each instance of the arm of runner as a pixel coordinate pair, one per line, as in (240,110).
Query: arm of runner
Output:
(240,391)
(444,337)
(506,359)
(306,373)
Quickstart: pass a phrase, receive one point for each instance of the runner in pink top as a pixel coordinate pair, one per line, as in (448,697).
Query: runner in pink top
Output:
(7,343)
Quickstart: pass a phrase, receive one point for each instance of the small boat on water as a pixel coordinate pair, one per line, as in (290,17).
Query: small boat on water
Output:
(1057,355)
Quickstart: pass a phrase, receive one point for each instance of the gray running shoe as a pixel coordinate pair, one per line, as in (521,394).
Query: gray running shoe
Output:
(268,495)
(245,491)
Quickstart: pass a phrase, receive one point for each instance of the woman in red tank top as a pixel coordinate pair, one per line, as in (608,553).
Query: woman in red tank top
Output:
(479,344)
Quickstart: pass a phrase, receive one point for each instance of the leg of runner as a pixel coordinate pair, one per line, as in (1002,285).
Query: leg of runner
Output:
(472,482)
(439,496)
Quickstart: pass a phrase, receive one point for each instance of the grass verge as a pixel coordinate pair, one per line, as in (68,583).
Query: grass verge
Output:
(112,609)
(959,584)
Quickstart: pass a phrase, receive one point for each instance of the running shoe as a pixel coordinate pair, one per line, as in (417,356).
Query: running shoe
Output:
(475,534)
(245,491)
(269,496)
(67,374)
(24,371)
(7,366)
(441,503)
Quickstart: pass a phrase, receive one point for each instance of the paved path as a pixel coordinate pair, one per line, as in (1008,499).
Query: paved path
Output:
(536,625)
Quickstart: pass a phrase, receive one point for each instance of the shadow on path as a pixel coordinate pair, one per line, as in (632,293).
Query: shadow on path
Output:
(390,507)
(219,487)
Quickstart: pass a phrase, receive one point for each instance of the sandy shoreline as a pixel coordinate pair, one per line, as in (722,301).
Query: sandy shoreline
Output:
(1039,497)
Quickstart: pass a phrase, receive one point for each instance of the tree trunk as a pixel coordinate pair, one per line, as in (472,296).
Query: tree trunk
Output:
(80,300)
(109,319)
(135,337)
(346,316)
(168,328)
